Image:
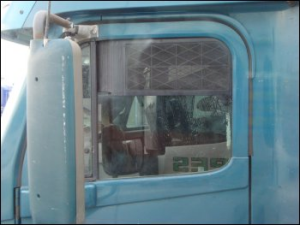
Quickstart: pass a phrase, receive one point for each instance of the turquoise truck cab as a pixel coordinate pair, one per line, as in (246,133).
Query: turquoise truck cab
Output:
(153,112)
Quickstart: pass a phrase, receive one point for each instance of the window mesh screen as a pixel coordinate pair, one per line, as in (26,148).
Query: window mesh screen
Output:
(174,65)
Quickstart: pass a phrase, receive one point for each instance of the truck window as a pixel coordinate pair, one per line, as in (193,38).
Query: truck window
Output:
(172,116)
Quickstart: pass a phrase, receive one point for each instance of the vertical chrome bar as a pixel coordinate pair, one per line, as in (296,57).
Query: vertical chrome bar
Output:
(94,100)
(47,20)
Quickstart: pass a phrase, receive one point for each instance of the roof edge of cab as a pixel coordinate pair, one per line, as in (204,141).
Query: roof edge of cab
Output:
(17,20)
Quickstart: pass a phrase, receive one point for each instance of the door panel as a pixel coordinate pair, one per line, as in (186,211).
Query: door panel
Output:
(211,197)
(202,192)
(152,188)
(217,196)
(197,209)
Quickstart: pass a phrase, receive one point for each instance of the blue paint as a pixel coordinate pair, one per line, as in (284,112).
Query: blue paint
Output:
(191,208)
(222,182)
(275,165)
(163,192)
(90,199)
(117,192)
(188,209)
(117,7)
(147,190)
(51,155)
(13,125)
(16,15)
(25,203)
(5,90)
(90,195)
(273,37)
(14,22)
(8,222)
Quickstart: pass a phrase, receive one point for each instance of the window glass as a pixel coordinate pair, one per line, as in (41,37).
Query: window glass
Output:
(136,117)
(164,108)
(177,65)
(185,134)
(86,81)
(187,66)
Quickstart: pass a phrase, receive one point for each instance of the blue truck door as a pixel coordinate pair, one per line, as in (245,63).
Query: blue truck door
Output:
(172,121)
(133,63)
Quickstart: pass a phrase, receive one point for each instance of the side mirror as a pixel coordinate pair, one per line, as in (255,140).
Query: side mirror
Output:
(55,132)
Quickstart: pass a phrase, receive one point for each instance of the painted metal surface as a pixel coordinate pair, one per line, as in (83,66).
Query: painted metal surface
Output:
(18,28)
(16,14)
(8,222)
(275,165)
(275,168)
(51,151)
(5,90)
(13,126)
(189,209)
(116,197)
(119,192)
(116,192)
(19,11)
(90,199)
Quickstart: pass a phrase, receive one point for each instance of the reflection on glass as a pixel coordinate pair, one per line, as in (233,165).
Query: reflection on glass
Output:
(86,81)
(156,135)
